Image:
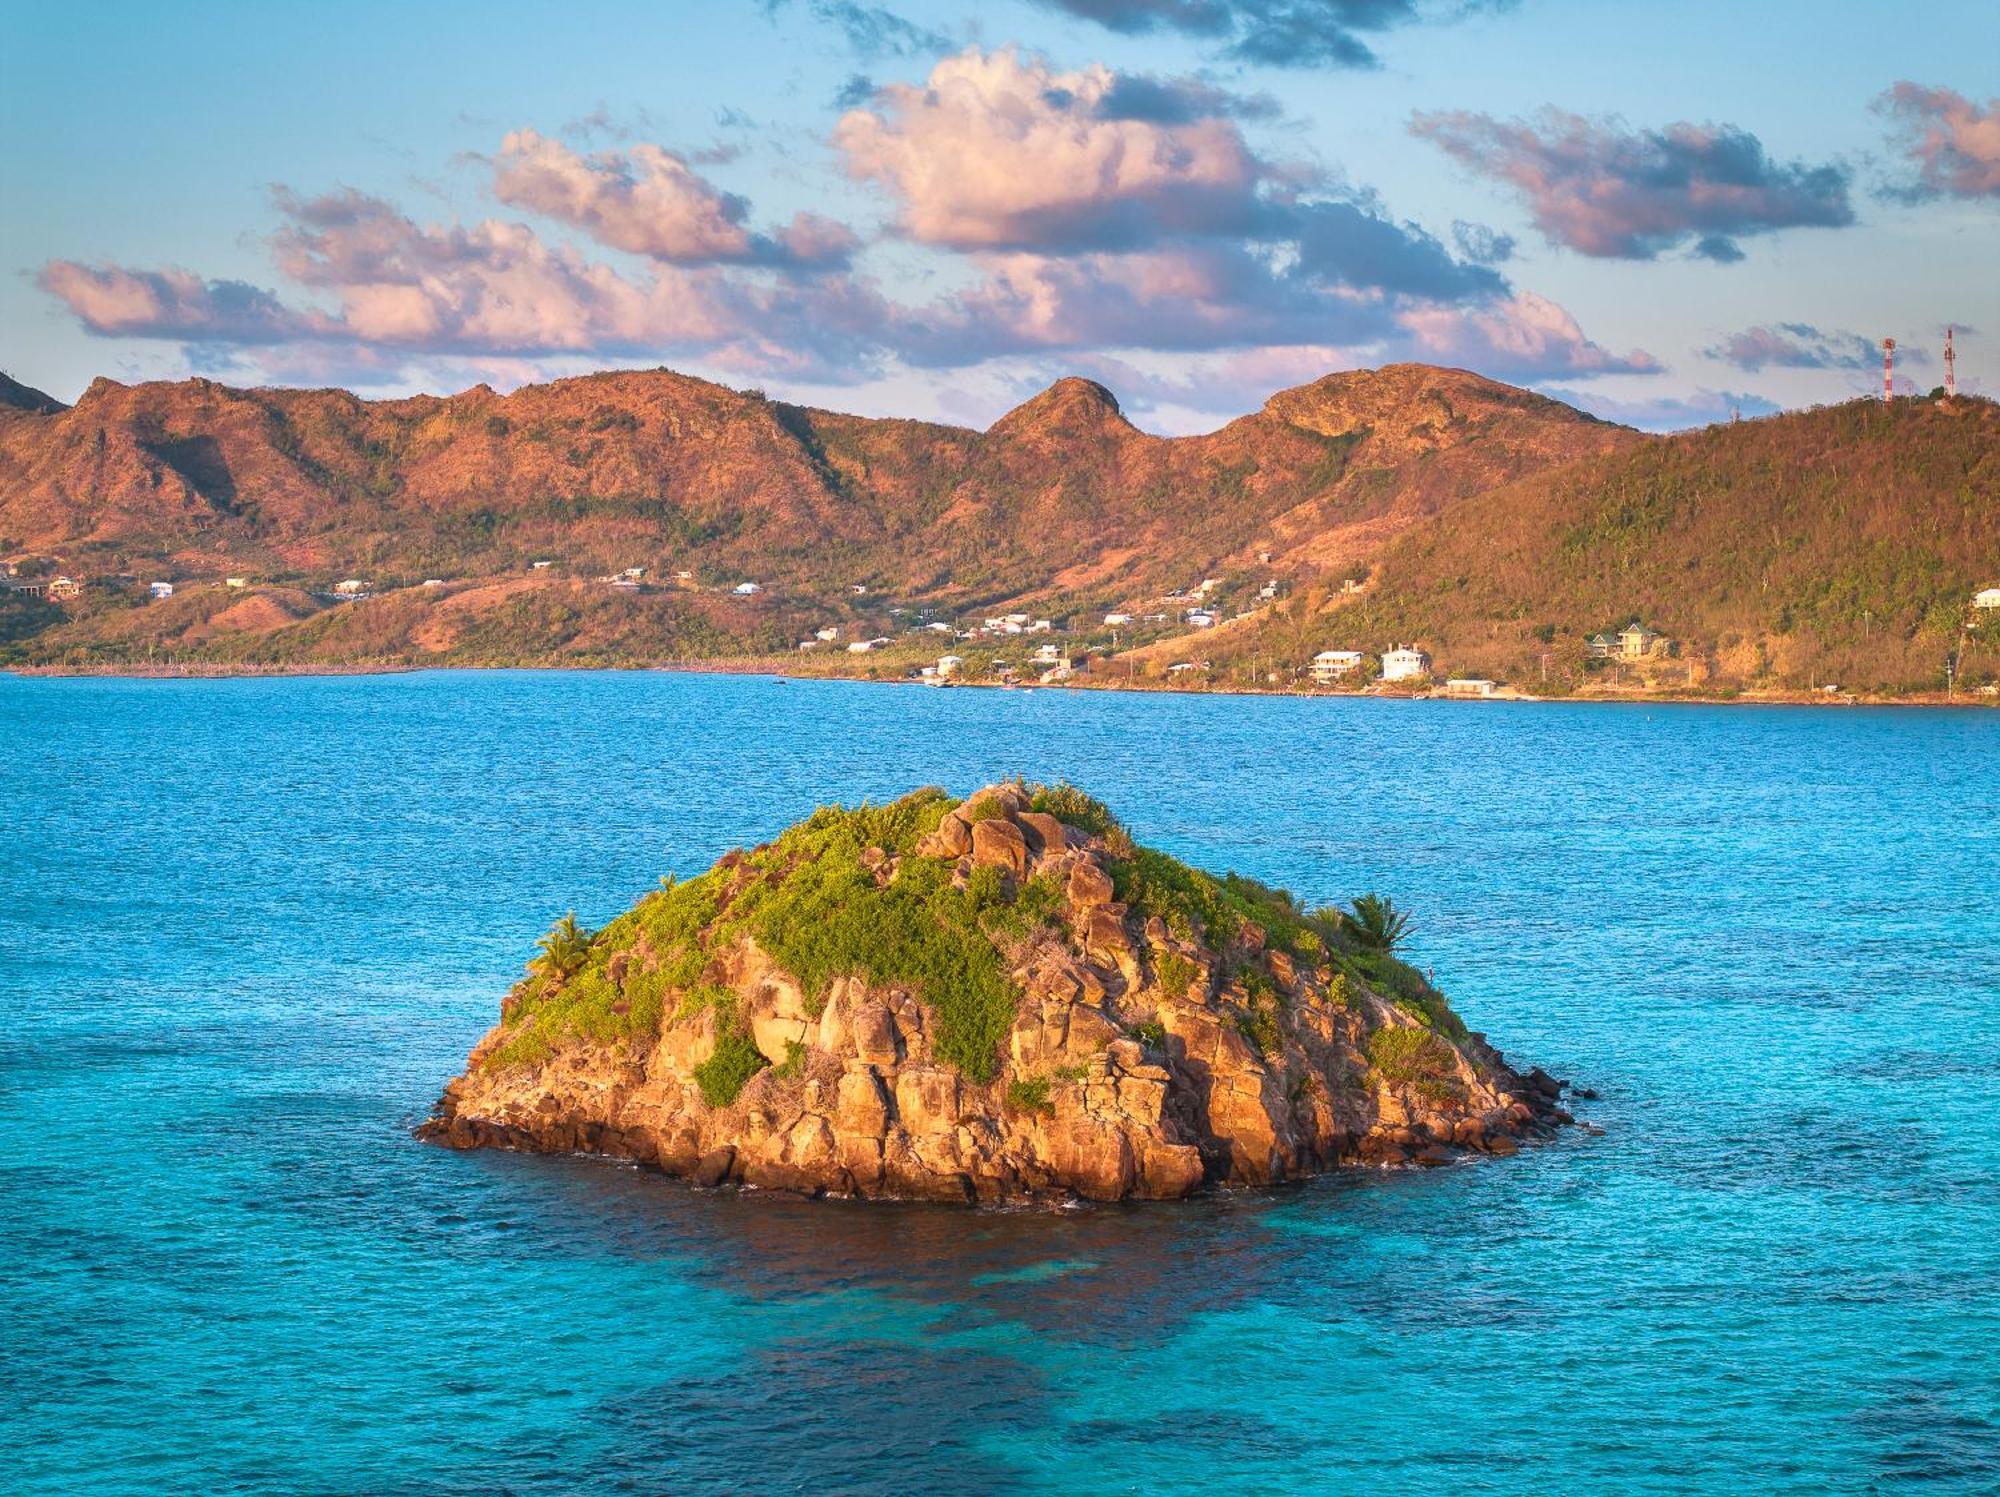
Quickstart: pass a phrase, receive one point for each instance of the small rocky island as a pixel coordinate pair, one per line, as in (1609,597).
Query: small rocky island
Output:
(998,999)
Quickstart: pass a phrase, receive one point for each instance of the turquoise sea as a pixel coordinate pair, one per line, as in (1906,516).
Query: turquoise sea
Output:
(249,928)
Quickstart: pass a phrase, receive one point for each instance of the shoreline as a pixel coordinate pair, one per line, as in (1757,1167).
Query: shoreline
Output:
(774,668)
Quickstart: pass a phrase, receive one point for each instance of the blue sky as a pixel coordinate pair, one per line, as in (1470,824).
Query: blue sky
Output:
(1661,211)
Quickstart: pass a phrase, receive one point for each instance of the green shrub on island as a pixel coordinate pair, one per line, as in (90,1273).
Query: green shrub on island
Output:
(736,1059)
(1416,1057)
(1030,1095)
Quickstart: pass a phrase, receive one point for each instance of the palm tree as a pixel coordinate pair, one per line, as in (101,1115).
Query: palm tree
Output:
(563,949)
(1375,923)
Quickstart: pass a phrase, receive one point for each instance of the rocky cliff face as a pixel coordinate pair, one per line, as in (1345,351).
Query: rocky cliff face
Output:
(995,1000)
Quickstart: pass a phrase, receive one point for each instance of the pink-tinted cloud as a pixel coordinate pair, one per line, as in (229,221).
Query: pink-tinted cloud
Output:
(1800,345)
(1603,189)
(490,289)
(651,202)
(117,302)
(1526,337)
(1001,153)
(1952,142)
(997,150)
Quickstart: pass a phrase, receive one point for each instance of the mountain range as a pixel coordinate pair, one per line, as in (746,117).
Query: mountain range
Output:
(1493,526)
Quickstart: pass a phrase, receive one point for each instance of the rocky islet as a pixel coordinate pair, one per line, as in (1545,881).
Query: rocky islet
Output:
(1000,999)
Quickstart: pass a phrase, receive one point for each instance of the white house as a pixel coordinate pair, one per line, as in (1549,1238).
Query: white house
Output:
(236,582)
(636,574)
(160,589)
(1404,664)
(1986,597)
(1468,686)
(353,587)
(1114,620)
(1047,654)
(949,665)
(1331,665)
(827,635)
(539,566)
(861,647)
(434,582)
(1200,618)
(747,589)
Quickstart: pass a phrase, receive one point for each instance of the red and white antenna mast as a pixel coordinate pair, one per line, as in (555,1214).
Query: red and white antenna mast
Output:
(1950,368)
(1888,368)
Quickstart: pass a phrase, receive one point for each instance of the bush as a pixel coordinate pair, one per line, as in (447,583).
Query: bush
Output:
(1075,807)
(1153,1035)
(1259,1025)
(1030,1096)
(1176,973)
(1416,1058)
(724,1074)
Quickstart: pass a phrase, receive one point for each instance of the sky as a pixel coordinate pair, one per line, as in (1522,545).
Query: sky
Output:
(1664,211)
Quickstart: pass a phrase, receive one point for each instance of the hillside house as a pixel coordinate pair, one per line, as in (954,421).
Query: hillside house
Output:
(1469,686)
(950,665)
(1986,597)
(1333,665)
(1405,663)
(237,582)
(353,589)
(1117,620)
(1200,618)
(1634,642)
(747,589)
(160,589)
(828,634)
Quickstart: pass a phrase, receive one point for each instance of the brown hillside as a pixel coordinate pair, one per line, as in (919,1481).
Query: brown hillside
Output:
(1841,545)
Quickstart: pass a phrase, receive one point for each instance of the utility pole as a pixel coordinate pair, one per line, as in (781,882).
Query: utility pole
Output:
(1950,368)
(1888,370)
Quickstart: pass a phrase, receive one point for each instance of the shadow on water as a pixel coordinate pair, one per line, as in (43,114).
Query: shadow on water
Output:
(1094,1274)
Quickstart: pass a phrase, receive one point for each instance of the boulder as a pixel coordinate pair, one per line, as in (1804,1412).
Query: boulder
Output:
(1089,885)
(999,844)
(1043,832)
(873,1029)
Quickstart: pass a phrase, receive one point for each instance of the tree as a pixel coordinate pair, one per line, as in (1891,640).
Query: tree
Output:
(563,949)
(1375,924)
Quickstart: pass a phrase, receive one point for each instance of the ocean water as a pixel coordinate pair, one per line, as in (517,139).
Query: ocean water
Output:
(249,928)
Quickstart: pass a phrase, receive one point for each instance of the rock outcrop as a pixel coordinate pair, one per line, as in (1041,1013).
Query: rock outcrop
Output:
(1000,999)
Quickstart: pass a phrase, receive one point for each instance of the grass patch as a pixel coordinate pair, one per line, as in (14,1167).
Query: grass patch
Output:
(820,915)
(1030,1096)
(1416,1058)
(1081,810)
(724,1074)
(1176,973)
